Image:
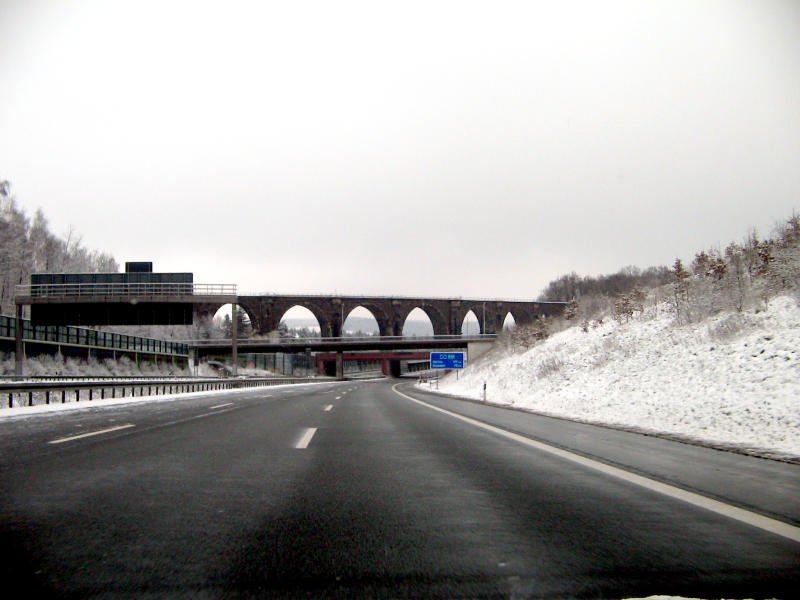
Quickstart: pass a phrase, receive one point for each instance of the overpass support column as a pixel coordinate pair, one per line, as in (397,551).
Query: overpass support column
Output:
(234,337)
(19,352)
(395,369)
(339,366)
(191,360)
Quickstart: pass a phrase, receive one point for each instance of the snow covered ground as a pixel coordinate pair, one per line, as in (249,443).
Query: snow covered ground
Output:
(731,381)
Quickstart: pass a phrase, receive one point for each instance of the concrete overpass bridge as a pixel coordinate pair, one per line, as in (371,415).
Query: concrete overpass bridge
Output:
(390,362)
(446,314)
(331,353)
(204,348)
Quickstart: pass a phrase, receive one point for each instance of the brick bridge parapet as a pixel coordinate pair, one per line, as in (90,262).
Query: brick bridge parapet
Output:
(446,314)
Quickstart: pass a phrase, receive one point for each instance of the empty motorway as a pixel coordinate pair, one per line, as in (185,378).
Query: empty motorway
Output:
(376,489)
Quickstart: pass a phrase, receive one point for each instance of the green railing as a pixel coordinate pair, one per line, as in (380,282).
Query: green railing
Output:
(91,338)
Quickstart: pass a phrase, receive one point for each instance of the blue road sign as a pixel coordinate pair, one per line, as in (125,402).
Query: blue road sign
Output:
(447,360)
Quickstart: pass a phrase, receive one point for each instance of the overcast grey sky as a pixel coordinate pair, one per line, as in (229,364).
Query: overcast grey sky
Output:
(442,148)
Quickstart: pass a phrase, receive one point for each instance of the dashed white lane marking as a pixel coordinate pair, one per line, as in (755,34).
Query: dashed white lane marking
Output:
(85,435)
(221,405)
(338,398)
(195,417)
(328,408)
(733,512)
(305,439)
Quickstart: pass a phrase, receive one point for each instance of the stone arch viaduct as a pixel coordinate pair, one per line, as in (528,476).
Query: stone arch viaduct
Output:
(446,314)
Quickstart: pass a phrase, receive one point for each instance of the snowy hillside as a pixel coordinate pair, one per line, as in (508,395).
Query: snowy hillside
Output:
(732,380)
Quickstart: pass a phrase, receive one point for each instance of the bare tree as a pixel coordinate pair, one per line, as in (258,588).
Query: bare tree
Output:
(30,247)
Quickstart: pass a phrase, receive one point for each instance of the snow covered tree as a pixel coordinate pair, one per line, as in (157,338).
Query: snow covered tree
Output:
(700,264)
(243,327)
(765,256)
(716,267)
(30,247)
(680,288)
(571,310)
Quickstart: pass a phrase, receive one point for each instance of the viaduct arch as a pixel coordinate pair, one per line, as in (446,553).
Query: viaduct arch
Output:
(446,315)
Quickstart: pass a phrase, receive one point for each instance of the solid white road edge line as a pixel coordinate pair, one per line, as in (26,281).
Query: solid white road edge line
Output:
(733,512)
(328,408)
(220,405)
(305,439)
(85,435)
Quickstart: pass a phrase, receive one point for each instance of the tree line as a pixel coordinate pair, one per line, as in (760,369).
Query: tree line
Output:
(741,276)
(27,245)
(572,286)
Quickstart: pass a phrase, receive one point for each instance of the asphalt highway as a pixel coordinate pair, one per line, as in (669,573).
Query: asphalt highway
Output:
(370,489)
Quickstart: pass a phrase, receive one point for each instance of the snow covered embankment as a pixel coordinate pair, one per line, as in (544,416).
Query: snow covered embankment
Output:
(731,381)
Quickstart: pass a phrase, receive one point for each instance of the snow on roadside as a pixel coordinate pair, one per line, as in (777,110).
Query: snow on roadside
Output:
(732,380)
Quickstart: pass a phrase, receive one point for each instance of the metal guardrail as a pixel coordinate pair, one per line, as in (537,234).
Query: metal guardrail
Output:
(89,290)
(27,393)
(244,342)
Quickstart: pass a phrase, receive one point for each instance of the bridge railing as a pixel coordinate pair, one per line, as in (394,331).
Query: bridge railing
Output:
(96,290)
(361,297)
